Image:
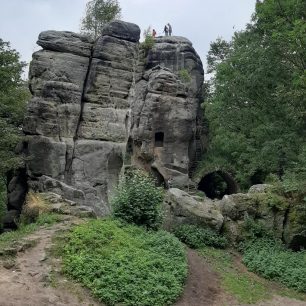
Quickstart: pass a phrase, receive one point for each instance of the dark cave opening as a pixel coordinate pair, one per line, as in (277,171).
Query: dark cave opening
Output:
(217,184)
(159,139)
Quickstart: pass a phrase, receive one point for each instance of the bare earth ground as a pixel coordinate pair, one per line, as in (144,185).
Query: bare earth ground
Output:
(28,282)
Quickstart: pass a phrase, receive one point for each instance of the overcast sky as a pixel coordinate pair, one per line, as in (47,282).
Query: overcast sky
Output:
(201,21)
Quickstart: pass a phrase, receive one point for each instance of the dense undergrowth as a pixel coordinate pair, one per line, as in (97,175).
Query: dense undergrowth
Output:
(197,237)
(269,257)
(125,264)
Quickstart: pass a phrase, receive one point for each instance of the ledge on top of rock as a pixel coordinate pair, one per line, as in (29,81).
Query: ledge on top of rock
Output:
(173,40)
(65,41)
(121,29)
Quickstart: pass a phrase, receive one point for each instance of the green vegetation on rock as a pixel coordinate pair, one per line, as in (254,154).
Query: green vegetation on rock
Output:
(125,264)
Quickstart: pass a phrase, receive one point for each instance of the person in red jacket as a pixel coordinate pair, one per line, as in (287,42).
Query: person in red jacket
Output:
(154,33)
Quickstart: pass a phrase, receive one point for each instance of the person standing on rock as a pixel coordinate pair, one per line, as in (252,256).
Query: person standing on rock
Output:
(169,29)
(166,30)
(154,33)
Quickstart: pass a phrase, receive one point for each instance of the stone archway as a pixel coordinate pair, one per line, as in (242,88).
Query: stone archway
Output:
(216,184)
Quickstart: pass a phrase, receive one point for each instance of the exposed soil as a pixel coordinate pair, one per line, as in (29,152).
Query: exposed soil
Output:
(29,281)
(202,286)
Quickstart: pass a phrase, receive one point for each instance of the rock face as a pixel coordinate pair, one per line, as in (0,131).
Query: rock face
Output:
(165,114)
(93,101)
(182,208)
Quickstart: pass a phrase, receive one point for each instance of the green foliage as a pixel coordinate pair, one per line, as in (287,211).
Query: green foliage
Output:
(256,106)
(197,237)
(124,264)
(138,200)
(149,40)
(269,258)
(184,76)
(253,230)
(98,14)
(13,97)
(2,200)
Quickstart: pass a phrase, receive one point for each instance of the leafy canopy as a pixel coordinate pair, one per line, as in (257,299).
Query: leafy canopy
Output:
(98,14)
(256,104)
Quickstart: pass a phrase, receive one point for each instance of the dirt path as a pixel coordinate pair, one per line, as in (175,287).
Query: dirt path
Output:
(202,285)
(203,288)
(28,282)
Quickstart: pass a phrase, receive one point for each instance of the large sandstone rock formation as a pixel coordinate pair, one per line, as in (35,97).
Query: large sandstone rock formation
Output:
(92,100)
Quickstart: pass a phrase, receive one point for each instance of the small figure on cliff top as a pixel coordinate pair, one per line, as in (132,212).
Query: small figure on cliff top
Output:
(166,30)
(170,29)
(154,33)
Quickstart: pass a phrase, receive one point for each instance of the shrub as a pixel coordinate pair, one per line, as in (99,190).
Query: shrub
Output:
(269,258)
(34,206)
(196,237)
(149,41)
(125,264)
(138,200)
(184,75)
(254,229)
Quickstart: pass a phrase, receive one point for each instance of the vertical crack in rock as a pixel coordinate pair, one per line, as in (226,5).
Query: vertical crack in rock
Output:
(69,161)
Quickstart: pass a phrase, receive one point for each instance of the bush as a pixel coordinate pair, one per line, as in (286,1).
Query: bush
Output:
(184,75)
(254,229)
(138,200)
(149,41)
(125,264)
(269,258)
(34,206)
(196,237)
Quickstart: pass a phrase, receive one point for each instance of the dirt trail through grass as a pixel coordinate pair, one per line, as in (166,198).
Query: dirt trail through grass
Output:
(29,282)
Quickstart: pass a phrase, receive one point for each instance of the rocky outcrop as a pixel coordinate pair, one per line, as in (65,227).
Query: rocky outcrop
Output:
(236,215)
(165,114)
(182,208)
(93,101)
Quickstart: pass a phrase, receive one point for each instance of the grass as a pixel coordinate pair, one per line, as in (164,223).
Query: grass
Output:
(242,286)
(125,264)
(6,239)
(245,286)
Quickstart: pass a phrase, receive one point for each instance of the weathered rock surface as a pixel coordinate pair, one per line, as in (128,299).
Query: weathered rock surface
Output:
(92,100)
(165,114)
(182,208)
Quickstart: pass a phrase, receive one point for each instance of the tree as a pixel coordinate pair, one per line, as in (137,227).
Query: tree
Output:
(13,97)
(257,108)
(98,14)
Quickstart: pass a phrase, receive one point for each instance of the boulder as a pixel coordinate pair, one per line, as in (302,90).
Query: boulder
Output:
(181,208)
(66,42)
(123,30)
(260,188)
